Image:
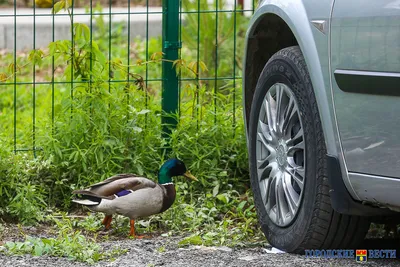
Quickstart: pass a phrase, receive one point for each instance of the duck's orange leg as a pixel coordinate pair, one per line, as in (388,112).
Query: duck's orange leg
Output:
(132,232)
(107,221)
(108,225)
(104,222)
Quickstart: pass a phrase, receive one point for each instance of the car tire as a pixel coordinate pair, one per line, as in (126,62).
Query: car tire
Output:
(289,171)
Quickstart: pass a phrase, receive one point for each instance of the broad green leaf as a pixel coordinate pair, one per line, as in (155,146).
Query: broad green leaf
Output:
(35,56)
(82,32)
(86,32)
(156,56)
(52,48)
(10,245)
(241,205)
(215,190)
(3,78)
(11,68)
(47,241)
(203,66)
(58,6)
(67,72)
(193,66)
(78,30)
(139,169)
(191,240)
(137,129)
(98,54)
(68,3)
(143,111)
(38,250)
(223,198)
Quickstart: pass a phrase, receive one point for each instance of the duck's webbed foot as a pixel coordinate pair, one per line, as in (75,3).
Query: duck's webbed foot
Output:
(133,234)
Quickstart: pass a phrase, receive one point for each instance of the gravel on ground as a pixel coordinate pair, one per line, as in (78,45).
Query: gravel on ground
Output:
(165,251)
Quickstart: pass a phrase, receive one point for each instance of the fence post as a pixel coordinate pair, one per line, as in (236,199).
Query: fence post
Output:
(171,45)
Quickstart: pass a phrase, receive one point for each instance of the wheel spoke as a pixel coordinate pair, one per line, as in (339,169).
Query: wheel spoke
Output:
(299,146)
(265,131)
(269,194)
(297,173)
(267,145)
(291,196)
(264,187)
(288,114)
(296,139)
(274,109)
(290,118)
(269,113)
(277,204)
(279,196)
(263,165)
(279,104)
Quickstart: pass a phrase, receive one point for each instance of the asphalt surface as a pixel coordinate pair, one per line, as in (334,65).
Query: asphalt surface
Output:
(147,253)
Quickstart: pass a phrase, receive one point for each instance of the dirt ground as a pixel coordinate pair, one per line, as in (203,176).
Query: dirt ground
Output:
(147,253)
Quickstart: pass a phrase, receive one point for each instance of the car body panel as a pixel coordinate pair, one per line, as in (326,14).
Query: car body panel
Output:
(383,191)
(367,40)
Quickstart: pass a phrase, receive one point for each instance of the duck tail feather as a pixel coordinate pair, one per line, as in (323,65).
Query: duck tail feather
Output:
(87,202)
(82,192)
(87,193)
(88,198)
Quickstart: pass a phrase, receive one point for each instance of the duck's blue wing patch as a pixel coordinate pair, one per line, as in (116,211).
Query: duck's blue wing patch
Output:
(123,192)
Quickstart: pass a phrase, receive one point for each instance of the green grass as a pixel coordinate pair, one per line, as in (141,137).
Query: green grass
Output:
(92,126)
(70,242)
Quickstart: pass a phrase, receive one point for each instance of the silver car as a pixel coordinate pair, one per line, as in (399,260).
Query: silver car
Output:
(322,110)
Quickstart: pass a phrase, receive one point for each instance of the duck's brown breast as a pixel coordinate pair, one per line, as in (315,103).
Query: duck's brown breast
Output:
(169,196)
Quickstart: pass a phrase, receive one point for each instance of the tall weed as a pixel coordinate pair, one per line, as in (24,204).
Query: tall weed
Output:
(107,121)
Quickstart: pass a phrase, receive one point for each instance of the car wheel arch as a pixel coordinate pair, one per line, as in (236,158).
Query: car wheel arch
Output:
(260,48)
(288,31)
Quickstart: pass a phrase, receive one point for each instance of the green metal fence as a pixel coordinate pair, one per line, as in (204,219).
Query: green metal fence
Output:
(202,45)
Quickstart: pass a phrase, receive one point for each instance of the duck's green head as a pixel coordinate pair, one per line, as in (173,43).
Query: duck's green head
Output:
(171,168)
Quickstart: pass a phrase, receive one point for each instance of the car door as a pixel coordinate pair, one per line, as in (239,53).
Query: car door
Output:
(365,76)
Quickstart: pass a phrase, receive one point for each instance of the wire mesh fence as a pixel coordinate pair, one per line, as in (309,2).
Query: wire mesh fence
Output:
(100,68)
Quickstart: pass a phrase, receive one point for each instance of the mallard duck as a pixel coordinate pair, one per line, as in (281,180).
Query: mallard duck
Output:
(133,196)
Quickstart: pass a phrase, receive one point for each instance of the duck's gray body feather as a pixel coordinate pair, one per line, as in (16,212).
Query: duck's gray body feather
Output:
(140,203)
(144,198)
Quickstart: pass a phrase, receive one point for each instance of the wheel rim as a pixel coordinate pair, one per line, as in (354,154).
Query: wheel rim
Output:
(280,154)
